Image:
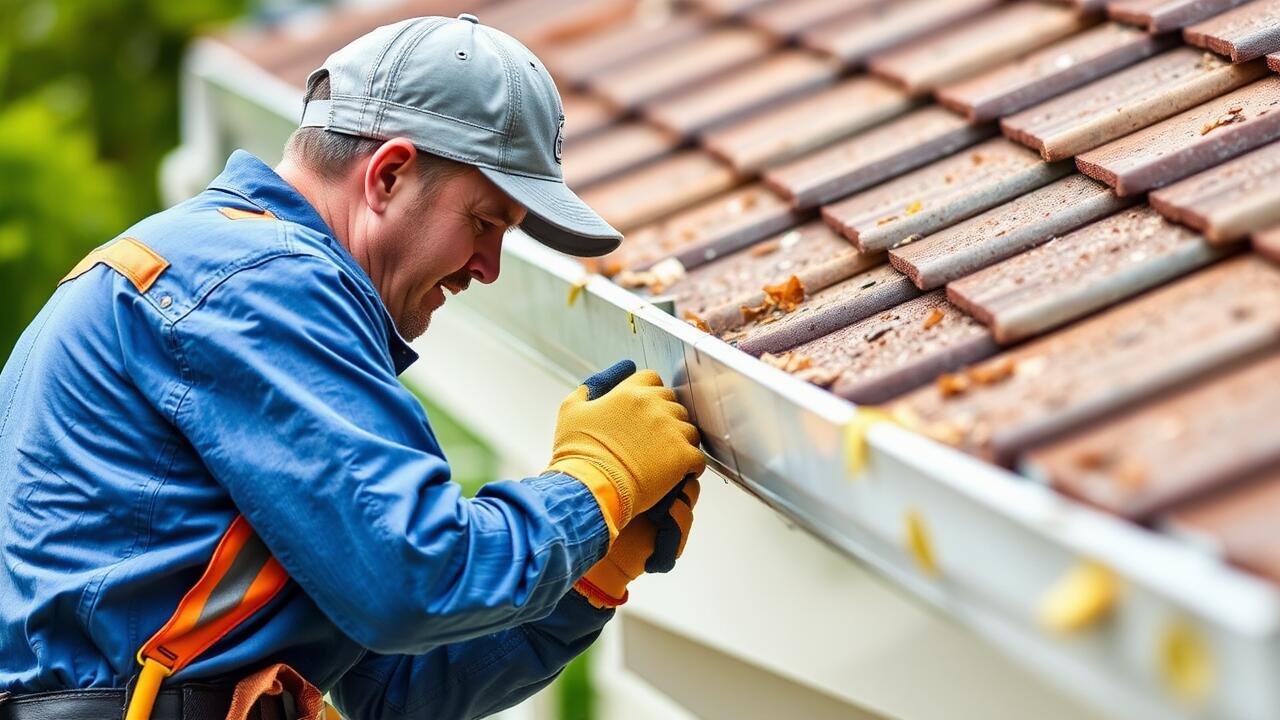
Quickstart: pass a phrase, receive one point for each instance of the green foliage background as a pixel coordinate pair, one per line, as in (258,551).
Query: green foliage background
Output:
(88,106)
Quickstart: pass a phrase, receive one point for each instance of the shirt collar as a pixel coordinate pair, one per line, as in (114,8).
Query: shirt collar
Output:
(247,176)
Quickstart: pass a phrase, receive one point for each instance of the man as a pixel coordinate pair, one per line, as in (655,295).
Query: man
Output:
(208,466)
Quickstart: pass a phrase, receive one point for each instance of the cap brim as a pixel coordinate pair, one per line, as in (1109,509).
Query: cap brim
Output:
(557,217)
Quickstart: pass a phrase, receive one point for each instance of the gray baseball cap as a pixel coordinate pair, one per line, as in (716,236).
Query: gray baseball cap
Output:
(467,92)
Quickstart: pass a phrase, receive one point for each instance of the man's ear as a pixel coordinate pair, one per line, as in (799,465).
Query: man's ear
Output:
(386,171)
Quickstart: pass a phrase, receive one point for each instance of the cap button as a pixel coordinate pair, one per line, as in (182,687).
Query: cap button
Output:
(469,18)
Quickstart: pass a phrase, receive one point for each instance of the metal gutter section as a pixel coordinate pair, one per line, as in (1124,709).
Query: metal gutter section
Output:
(998,542)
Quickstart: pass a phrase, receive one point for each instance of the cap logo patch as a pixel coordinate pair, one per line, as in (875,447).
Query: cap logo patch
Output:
(559,145)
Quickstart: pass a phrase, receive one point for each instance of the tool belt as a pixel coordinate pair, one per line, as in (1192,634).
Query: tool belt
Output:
(191,701)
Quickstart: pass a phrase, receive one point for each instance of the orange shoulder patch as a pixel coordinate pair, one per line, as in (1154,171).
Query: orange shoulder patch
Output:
(238,214)
(129,257)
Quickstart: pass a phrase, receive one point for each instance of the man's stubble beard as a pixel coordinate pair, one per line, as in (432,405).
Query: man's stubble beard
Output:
(416,320)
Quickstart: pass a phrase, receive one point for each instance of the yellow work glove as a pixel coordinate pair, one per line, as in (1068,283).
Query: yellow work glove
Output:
(651,543)
(624,436)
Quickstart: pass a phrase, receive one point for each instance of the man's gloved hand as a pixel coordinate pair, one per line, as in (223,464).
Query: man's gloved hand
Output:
(651,543)
(624,436)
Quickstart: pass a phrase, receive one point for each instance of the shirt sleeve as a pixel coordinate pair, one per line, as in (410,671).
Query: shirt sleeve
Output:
(294,407)
(475,678)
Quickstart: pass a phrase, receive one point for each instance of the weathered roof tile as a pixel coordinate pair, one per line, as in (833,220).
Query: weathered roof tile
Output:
(1247,32)
(584,115)
(1230,201)
(1159,16)
(1267,243)
(825,311)
(789,18)
(776,78)
(679,66)
(859,36)
(900,349)
(1143,461)
(1050,71)
(977,45)
(1073,377)
(1005,231)
(614,150)
(813,252)
(874,155)
(659,189)
(941,194)
(578,61)
(1126,101)
(805,124)
(1188,143)
(705,231)
(1081,272)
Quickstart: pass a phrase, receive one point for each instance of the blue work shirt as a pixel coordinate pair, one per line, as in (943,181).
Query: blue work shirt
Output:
(258,376)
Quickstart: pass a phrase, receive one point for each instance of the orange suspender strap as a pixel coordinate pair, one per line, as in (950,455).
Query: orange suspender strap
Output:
(241,578)
(127,256)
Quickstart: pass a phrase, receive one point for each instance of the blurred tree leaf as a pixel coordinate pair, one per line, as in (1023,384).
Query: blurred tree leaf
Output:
(58,200)
(88,107)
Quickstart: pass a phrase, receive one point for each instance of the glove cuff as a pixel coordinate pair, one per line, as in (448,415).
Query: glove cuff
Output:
(602,487)
(597,597)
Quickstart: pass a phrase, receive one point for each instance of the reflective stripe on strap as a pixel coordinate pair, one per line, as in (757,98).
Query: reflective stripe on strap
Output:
(241,578)
(127,256)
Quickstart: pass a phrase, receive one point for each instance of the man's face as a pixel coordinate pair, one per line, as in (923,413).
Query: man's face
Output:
(429,240)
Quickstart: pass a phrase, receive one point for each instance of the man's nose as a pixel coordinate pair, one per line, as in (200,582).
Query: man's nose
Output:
(486,263)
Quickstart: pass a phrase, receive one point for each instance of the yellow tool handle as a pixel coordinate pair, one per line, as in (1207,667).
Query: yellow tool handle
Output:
(144,694)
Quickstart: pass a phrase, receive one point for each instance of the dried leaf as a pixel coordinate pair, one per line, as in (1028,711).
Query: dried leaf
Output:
(992,372)
(786,296)
(951,385)
(822,377)
(751,313)
(695,320)
(1232,116)
(934,318)
(789,361)
(801,366)
(656,279)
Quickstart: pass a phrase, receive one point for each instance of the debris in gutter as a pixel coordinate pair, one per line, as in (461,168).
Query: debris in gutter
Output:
(952,384)
(779,299)
(695,320)
(800,366)
(955,384)
(608,267)
(656,279)
(787,296)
